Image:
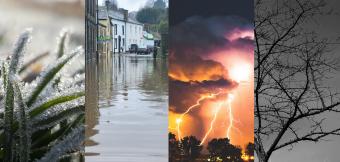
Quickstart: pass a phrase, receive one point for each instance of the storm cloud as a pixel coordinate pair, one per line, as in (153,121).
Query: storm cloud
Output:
(204,36)
(201,53)
(197,41)
(194,43)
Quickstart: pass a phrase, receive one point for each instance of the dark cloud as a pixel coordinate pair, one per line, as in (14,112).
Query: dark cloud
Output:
(180,10)
(205,35)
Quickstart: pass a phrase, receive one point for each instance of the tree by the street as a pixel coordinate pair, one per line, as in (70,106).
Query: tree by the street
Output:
(111,4)
(149,15)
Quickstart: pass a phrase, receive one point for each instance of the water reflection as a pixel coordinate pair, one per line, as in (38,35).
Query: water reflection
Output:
(91,98)
(133,106)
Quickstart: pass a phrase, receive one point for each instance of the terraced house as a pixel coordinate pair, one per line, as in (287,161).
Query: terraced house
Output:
(105,42)
(124,30)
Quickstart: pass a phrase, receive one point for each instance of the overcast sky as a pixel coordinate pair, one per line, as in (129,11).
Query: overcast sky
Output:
(323,151)
(131,5)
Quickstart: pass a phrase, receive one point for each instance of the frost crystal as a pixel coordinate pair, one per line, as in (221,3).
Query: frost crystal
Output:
(19,51)
(68,143)
(52,103)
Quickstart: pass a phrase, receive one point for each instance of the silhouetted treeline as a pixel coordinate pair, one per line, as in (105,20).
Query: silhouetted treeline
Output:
(188,149)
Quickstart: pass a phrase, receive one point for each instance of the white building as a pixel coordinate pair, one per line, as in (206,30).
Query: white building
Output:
(134,33)
(125,30)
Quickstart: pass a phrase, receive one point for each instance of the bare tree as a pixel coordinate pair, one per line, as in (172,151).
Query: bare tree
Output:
(292,65)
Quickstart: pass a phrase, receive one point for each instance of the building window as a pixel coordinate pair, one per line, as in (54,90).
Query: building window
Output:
(115,29)
(123,29)
(123,42)
(115,43)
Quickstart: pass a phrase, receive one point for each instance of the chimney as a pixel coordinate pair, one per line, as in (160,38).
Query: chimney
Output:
(125,13)
(111,5)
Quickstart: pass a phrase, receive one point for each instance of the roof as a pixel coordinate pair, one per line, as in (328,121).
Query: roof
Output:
(131,20)
(114,14)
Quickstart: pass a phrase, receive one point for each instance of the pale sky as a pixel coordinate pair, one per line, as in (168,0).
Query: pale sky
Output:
(323,151)
(131,5)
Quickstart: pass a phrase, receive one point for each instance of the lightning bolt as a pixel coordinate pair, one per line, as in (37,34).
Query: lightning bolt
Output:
(217,110)
(198,102)
(230,112)
(231,118)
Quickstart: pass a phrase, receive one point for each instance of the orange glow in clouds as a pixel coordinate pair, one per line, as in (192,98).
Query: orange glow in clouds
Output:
(240,72)
(225,114)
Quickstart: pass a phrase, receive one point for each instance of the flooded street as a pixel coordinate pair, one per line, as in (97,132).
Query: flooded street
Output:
(131,123)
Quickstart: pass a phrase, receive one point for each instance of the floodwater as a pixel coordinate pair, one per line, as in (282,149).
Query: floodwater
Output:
(130,122)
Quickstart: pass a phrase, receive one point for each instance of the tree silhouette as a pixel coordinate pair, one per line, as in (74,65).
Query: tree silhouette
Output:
(153,14)
(111,4)
(149,15)
(250,149)
(222,149)
(291,66)
(174,150)
(191,148)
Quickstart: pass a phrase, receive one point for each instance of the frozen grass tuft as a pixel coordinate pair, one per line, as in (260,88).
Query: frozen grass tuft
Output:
(40,120)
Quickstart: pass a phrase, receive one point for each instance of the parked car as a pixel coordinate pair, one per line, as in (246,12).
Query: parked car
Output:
(142,51)
(133,48)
